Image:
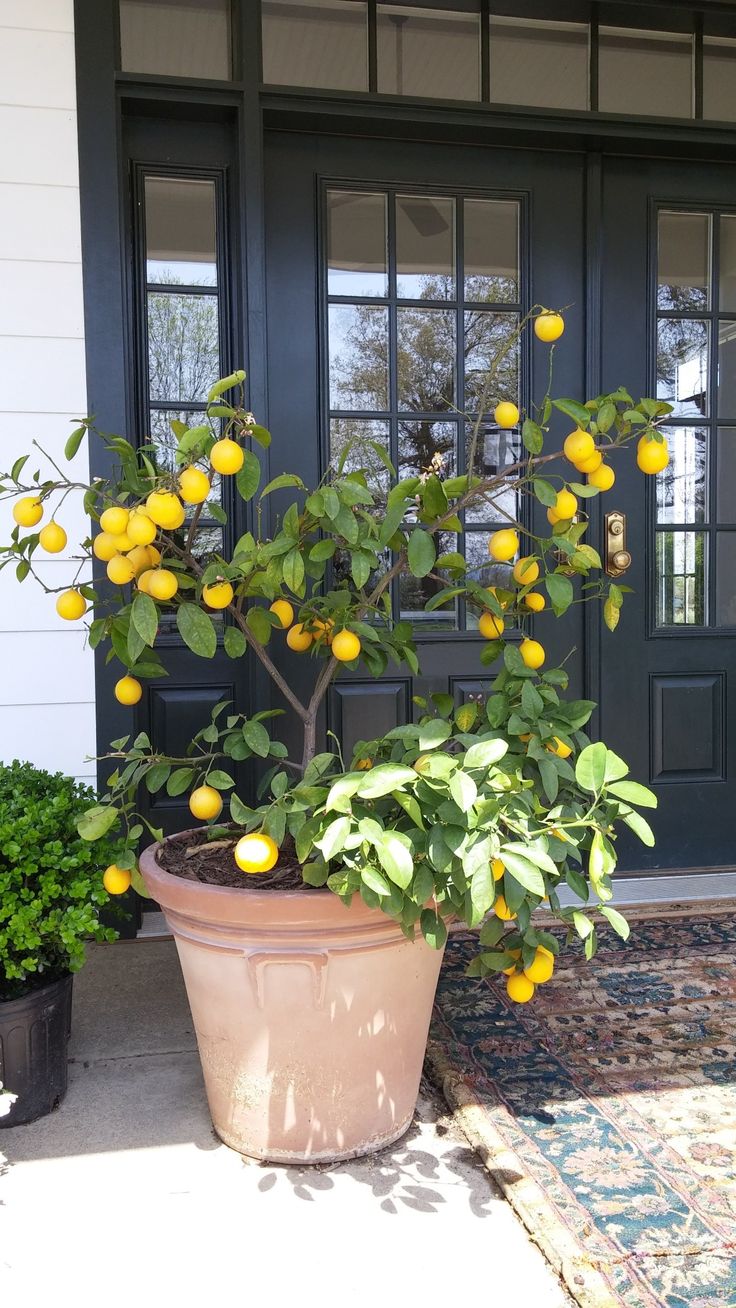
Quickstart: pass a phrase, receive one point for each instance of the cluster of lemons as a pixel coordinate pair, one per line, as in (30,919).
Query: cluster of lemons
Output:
(256,852)
(344,645)
(522,981)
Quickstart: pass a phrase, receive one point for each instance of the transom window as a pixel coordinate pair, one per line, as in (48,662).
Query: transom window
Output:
(695,567)
(423,296)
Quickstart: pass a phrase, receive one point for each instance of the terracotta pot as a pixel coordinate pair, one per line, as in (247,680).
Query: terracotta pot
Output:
(311,1018)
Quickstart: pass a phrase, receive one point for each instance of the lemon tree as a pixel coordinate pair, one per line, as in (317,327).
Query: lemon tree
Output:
(421,821)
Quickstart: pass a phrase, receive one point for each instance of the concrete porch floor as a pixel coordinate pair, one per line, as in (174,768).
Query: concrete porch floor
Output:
(126,1193)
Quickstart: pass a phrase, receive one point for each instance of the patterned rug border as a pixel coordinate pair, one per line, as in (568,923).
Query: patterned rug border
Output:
(587,1284)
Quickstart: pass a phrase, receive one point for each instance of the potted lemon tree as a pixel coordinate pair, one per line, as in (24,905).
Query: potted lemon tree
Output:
(311,918)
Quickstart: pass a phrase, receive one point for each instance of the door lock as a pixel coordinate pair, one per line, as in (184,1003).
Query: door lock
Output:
(618,558)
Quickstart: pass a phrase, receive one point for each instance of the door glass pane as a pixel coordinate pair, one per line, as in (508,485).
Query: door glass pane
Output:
(727,264)
(163,437)
(682,365)
(681,579)
(425,248)
(183,345)
(496,449)
(429,52)
(682,487)
(534,62)
(358,356)
(415,591)
(491,250)
(321,43)
(176,38)
(356,241)
(719,78)
(683,269)
(727,369)
(726,579)
(490,348)
(427,447)
(642,72)
(181,246)
(726,480)
(426,353)
(355,439)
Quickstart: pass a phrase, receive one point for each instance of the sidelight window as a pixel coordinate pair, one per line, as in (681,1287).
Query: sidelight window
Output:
(423,296)
(695,576)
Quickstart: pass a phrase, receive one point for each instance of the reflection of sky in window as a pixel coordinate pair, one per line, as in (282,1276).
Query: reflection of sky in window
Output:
(180,273)
(682,364)
(681,487)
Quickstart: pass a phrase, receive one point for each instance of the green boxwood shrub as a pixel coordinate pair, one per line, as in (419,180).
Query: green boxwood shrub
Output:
(51,890)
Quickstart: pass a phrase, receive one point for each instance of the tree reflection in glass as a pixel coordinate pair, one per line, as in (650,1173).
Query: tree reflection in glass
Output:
(682,364)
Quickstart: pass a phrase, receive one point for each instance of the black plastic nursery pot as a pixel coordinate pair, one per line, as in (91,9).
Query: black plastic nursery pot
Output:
(34,1033)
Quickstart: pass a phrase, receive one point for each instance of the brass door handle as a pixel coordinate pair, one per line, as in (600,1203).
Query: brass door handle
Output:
(617,557)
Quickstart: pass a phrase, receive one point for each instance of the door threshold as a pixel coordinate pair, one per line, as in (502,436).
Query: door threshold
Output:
(682,888)
(153,927)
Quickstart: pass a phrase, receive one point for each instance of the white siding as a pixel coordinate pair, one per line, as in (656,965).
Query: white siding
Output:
(47,686)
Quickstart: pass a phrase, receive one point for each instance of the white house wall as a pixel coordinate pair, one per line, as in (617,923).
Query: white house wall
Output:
(47,684)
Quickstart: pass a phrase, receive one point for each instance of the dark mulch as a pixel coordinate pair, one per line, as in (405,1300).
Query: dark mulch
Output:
(213,862)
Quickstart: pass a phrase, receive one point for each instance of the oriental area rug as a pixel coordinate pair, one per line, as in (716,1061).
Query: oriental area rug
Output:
(605,1108)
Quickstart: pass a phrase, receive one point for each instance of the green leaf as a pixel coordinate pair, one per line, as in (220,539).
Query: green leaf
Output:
(577,883)
(333,839)
(260,434)
(375,880)
(144,617)
(156,776)
(611,614)
(632,793)
(421,553)
(560,591)
(590,768)
(234,642)
(532,436)
(239,812)
(577,412)
(294,571)
(225,384)
(383,779)
(322,550)
(615,920)
(433,929)
(281,482)
(19,465)
(248,478)
(72,445)
(523,870)
(256,738)
(434,733)
(315,874)
(463,790)
(394,852)
(639,826)
(484,753)
(97,821)
(179,781)
(482,889)
(550,778)
(582,925)
(545,492)
(197,630)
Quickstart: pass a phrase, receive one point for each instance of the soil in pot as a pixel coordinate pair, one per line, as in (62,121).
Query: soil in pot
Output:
(212,862)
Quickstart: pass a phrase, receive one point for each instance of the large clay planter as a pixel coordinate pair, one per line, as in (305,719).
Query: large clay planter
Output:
(311,1018)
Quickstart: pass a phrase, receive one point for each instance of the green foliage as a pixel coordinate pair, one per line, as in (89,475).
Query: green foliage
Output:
(51,890)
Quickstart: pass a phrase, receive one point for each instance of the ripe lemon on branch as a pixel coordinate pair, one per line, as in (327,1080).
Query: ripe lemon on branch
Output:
(256,852)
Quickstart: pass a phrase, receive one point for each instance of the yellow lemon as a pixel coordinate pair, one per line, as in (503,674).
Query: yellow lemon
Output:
(532,653)
(541,968)
(559,748)
(194,486)
(602,477)
(364,764)
(28,511)
(651,456)
(589,465)
(519,988)
(105,546)
(120,570)
(515,953)
(298,639)
(226,457)
(535,601)
(143,580)
(141,528)
(346,646)
(115,520)
(165,509)
(256,853)
(566,506)
(322,629)
(205,803)
(162,584)
(579,445)
(70,605)
(506,414)
(128,690)
(490,627)
(552,517)
(52,538)
(497,868)
(219,595)
(124,543)
(548,326)
(284,612)
(526,571)
(503,544)
(154,555)
(502,910)
(116,880)
(140,558)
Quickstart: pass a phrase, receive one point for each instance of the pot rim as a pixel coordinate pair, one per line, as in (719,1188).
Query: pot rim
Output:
(37,992)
